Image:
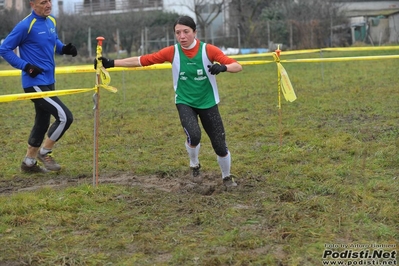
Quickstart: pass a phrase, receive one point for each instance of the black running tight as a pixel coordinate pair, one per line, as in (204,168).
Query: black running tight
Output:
(45,108)
(211,122)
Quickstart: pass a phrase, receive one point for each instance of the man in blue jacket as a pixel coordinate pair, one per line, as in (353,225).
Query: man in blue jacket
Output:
(37,39)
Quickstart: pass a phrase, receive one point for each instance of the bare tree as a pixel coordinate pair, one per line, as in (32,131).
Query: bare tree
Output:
(206,11)
(312,21)
(299,23)
(9,18)
(131,26)
(245,15)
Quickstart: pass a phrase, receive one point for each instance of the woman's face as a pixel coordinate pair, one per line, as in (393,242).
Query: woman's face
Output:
(184,35)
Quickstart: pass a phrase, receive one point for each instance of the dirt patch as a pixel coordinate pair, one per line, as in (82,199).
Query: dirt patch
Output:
(206,185)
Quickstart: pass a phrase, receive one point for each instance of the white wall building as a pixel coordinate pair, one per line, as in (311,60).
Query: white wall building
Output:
(183,7)
(68,6)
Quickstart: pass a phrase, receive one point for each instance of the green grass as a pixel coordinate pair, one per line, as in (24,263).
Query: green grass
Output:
(333,180)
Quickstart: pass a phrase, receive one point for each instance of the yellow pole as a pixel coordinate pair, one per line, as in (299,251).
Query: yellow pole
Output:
(96,99)
(277,59)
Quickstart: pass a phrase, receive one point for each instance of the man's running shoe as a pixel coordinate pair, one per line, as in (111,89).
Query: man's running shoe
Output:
(32,169)
(228,181)
(48,161)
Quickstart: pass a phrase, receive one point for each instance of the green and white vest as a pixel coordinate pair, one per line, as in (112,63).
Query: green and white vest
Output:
(193,84)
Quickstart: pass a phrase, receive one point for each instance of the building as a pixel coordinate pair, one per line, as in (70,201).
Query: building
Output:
(115,6)
(373,22)
(182,7)
(19,5)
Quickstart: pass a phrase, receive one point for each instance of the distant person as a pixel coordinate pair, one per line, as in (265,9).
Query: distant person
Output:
(37,39)
(196,92)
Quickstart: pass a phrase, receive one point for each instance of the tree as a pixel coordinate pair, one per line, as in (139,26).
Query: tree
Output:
(132,25)
(276,20)
(9,18)
(124,29)
(206,12)
(303,23)
(245,15)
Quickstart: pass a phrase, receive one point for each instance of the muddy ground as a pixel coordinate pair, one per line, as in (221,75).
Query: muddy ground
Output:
(208,184)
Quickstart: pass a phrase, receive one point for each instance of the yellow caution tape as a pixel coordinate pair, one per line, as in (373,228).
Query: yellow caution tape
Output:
(286,86)
(108,88)
(341,59)
(105,78)
(284,81)
(90,69)
(36,95)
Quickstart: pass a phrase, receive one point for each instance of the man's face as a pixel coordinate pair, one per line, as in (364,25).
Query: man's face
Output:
(184,35)
(41,7)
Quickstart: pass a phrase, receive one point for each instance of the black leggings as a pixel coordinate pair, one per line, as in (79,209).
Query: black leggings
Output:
(45,108)
(210,120)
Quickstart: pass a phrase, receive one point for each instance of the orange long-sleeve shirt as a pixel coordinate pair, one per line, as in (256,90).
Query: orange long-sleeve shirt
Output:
(166,55)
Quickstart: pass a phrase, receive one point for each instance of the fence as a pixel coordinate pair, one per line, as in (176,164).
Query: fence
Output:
(117,6)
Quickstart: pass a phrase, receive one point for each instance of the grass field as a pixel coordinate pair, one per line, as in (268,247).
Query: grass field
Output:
(332,183)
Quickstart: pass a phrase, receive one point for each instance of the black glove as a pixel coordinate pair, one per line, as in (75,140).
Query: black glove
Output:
(216,69)
(69,49)
(32,70)
(107,63)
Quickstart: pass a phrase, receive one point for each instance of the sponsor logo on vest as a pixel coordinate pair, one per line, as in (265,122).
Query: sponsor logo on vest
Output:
(200,78)
(182,77)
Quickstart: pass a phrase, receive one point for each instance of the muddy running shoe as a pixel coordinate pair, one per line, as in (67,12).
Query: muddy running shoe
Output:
(228,181)
(49,162)
(196,174)
(196,170)
(32,169)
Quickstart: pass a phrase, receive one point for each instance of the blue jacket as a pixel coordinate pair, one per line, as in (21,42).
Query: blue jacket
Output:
(38,42)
